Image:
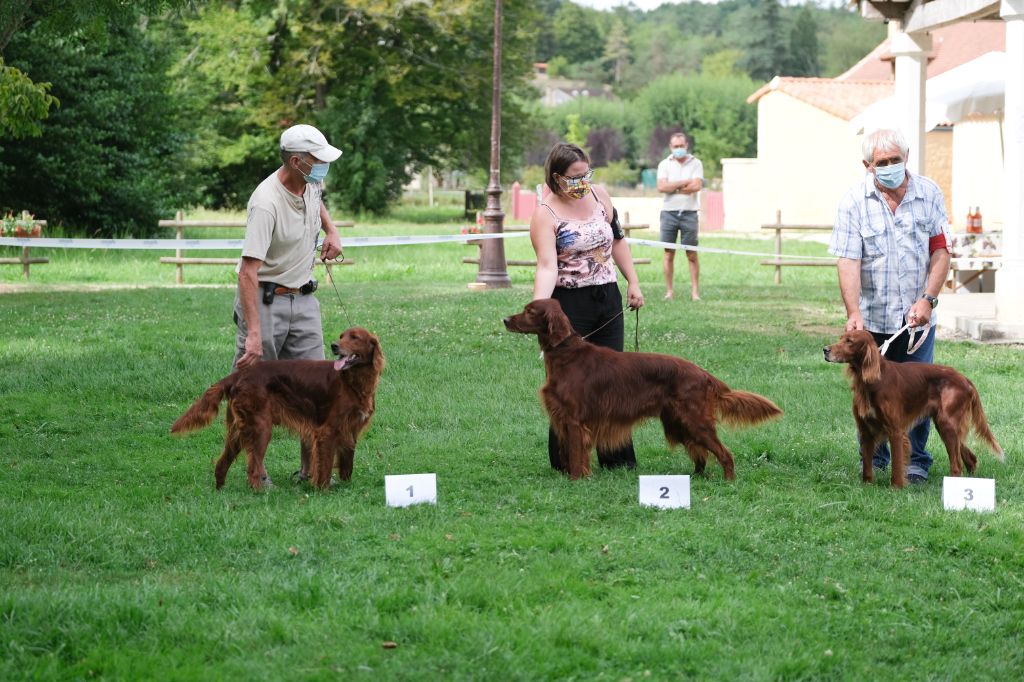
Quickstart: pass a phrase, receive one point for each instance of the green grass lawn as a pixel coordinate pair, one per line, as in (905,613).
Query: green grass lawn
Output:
(119,560)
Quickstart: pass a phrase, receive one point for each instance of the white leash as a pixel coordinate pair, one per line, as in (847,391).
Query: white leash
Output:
(911,346)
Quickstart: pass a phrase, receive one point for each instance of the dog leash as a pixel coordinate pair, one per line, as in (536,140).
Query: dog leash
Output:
(330,278)
(636,329)
(911,332)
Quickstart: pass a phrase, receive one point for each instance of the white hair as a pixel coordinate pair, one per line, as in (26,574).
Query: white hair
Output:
(883,139)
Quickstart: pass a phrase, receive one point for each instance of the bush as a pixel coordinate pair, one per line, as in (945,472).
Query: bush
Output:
(618,173)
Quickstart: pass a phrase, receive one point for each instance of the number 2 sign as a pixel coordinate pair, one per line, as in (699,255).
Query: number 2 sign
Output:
(665,492)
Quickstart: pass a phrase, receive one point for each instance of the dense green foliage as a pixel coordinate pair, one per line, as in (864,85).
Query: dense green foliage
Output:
(118,560)
(187,108)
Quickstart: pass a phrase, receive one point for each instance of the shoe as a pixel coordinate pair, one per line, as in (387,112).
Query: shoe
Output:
(916,479)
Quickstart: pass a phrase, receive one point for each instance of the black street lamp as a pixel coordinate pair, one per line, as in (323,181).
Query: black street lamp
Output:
(493,270)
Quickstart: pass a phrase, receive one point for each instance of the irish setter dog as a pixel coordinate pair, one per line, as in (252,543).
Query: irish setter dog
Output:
(890,397)
(594,396)
(328,404)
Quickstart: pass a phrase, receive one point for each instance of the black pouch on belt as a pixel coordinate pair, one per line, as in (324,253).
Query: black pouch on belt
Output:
(268,292)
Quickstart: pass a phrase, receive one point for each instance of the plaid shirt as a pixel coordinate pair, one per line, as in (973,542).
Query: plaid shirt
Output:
(892,249)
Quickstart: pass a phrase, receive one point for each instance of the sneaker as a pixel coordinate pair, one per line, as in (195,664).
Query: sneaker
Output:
(916,479)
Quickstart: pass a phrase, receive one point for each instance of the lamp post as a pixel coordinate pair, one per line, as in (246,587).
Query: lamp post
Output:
(493,270)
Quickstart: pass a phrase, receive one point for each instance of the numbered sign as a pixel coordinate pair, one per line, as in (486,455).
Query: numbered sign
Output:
(406,489)
(978,494)
(666,492)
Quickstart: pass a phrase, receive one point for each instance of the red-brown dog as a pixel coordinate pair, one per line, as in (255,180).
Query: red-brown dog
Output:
(594,396)
(890,397)
(328,404)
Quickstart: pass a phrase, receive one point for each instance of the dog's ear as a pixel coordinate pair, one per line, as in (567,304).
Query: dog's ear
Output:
(378,354)
(559,327)
(871,362)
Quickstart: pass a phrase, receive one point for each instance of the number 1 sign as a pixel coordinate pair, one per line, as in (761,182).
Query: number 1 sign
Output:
(406,489)
(666,492)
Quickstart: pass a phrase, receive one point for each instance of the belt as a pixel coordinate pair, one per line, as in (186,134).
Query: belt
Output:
(281,291)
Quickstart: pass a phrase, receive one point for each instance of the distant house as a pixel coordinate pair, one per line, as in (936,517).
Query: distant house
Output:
(556,91)
(808,155)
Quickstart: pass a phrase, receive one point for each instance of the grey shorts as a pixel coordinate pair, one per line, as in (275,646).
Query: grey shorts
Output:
(291,328)
(682,223)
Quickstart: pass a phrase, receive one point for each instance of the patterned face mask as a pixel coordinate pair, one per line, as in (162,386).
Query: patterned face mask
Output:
(578,187)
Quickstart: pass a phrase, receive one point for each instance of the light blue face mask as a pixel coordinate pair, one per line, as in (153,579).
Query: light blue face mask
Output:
(891,176)
(317,172)
(680,153)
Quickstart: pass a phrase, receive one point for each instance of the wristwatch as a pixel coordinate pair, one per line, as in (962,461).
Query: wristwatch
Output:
(934,300)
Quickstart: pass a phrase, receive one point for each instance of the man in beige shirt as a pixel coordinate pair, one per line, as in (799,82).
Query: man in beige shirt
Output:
(276,313)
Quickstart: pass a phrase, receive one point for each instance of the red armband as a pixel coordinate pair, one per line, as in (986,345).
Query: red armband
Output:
(937,242)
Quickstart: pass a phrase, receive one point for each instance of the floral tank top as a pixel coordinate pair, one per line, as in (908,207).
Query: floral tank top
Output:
(584,249)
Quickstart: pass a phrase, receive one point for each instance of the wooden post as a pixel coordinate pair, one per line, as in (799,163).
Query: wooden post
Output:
(24,261)
(778,246)
(179,231)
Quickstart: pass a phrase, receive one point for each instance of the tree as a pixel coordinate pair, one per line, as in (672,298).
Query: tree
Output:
(616,49)
(577,33)
(713,111)
(109,159)
(24,103)
(396,85)
(803,45)
(764,42)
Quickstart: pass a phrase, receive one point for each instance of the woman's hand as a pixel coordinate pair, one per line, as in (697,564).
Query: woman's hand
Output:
(634,298)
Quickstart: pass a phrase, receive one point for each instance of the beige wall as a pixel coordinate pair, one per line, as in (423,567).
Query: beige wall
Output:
(977,172)
(938,164)
(806,159)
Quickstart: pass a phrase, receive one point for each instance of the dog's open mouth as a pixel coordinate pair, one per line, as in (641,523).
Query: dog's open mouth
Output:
(345,361)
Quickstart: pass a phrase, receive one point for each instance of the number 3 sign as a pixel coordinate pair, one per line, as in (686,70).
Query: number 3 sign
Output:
(977,494)
(665,492)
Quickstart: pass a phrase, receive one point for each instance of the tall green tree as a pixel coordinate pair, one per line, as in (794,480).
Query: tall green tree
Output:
(109,159)
(803,55)
(765,41)
(616,50)
(396,85)
(577,32)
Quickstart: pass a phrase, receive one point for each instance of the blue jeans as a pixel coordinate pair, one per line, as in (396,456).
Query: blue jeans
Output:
(920,459)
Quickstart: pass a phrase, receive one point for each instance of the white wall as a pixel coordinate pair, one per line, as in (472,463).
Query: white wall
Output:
(978,171)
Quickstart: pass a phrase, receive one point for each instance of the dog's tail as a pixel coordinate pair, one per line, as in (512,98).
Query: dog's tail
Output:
(743,407)
(981,428)
(203,411)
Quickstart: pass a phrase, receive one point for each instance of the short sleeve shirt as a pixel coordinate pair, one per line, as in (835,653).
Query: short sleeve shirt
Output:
(892,247)
(673,171)
(281,231)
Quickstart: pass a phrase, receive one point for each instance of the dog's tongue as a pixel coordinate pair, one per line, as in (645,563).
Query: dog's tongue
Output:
(338,365)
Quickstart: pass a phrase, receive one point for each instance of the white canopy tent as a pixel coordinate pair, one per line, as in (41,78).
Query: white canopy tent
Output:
(977,87)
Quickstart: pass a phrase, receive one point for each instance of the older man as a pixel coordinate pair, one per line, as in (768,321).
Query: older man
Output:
(890,237)
(276,314)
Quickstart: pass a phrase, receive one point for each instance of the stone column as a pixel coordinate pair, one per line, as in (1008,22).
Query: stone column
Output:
(911,53)
(1010,277)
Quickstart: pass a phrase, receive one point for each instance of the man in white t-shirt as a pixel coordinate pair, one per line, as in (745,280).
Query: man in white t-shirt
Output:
(680,178)
(276,313)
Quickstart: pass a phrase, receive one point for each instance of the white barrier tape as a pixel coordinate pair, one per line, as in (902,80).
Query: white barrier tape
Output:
(234,244)
(707,249)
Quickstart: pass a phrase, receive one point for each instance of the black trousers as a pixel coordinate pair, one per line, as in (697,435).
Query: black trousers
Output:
(587,309)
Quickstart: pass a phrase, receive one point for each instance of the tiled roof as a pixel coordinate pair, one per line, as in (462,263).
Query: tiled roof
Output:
(952,46)
(844,99)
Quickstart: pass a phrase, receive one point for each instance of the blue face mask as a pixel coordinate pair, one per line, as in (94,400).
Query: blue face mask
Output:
(317,172)
(680,153)
(891,176)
